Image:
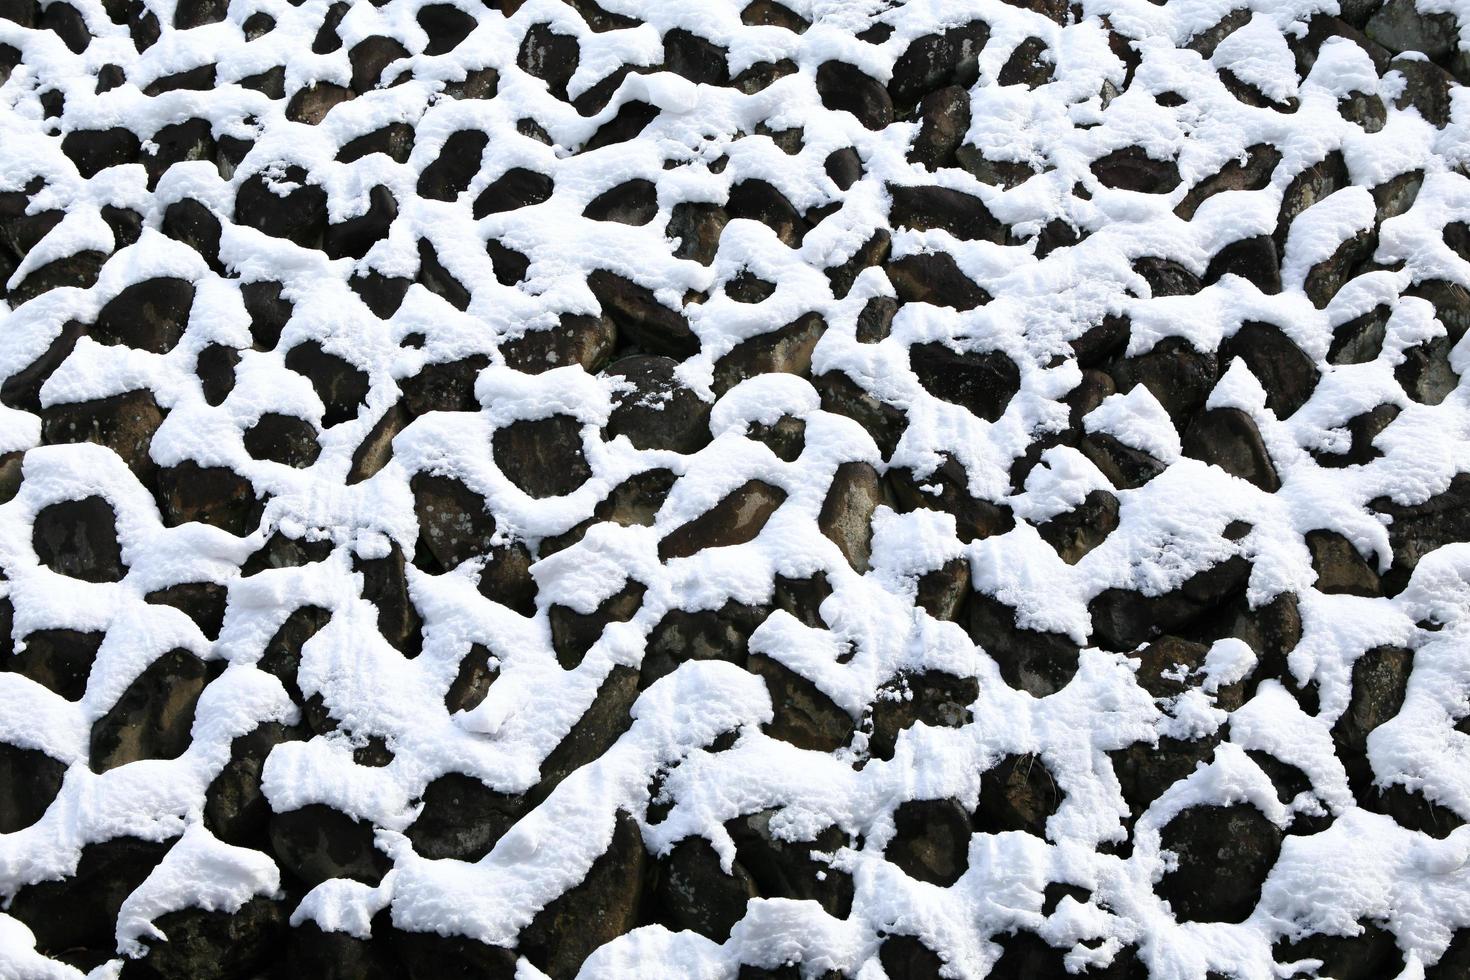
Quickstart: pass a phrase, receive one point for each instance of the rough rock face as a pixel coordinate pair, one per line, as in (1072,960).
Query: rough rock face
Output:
(620,489)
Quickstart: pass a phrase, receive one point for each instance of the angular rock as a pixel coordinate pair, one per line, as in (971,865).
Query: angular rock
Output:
(982,382)
(847,512)
(1340,569)
(1228,438)
(642,318)
(376,449)
(786,350)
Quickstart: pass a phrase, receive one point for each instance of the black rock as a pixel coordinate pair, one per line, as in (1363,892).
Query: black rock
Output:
(316,843)
(341,386)
(804,715)
(932,841)
(936,60)
(1225,853)
(549,56)
(573,633)
(78,538)
(58,659)
(642,318)
(596,911)
(694,892)
(1018,793)
(516,188)
(736,519)
(29,781)
(1122,618)
(213,945)
(792,869)
(462,818)
(235,807)
(298,212)
(847,88)
(154,716)
(1229,439)
(543,457)
(80,911)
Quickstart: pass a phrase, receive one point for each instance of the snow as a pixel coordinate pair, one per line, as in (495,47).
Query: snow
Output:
(1169,530)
